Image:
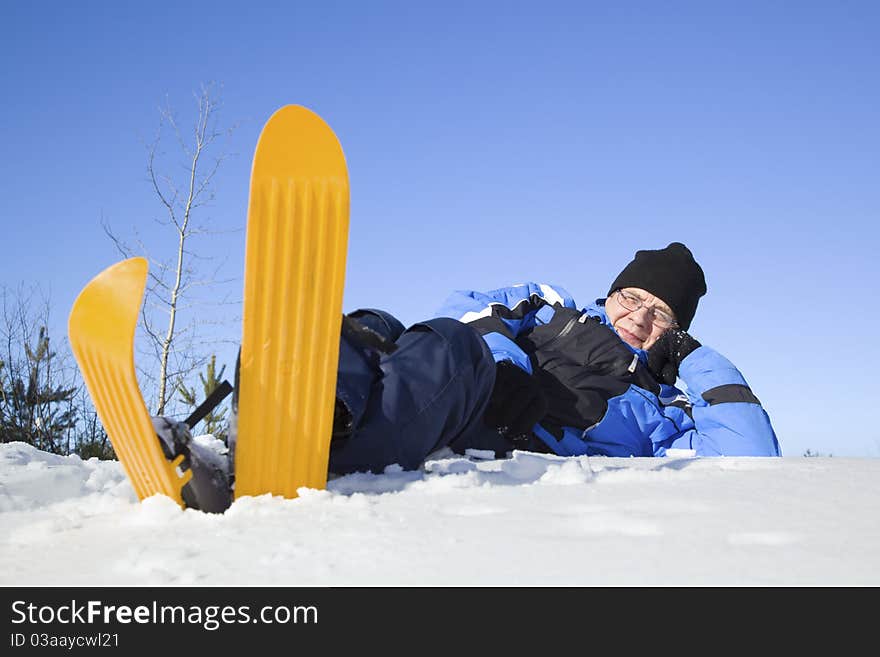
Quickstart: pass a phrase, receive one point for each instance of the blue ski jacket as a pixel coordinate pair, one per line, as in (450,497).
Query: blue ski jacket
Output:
(602,398)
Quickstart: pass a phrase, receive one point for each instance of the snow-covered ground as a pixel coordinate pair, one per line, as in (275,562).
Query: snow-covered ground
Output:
(529,520)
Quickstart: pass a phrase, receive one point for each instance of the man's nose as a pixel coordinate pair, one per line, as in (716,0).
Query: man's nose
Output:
(642,316)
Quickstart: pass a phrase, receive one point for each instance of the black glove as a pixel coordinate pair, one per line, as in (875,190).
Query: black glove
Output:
(517,401)
(665,355)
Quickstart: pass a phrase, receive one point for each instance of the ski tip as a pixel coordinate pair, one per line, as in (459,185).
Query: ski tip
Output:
(295,113)
(296,141)
(291,112)
(114,293)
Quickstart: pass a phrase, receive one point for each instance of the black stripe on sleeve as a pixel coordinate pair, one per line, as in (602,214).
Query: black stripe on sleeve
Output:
(494,323)
(486,325)
(733,392)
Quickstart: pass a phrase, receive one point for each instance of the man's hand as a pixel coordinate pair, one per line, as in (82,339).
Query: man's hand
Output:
(517,401)
(665,355)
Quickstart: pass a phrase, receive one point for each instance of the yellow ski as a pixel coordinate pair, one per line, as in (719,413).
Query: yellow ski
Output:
(297,239)
(101,329)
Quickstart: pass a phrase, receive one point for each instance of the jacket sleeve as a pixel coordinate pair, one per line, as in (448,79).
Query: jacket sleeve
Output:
(501,315)
(728,418)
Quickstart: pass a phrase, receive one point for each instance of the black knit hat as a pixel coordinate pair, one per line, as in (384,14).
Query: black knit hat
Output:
(671,274)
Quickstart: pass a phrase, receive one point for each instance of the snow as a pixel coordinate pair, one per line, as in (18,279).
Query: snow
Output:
(469,520)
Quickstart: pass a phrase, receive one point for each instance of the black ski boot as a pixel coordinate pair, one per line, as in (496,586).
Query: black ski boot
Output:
(210,488)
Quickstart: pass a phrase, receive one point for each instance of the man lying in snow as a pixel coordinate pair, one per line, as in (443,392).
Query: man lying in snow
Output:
(522,367)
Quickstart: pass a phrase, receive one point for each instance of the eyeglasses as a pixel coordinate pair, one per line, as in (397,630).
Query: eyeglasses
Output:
(632,303)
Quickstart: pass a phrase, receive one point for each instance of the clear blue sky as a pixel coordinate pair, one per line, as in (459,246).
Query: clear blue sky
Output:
(490,143)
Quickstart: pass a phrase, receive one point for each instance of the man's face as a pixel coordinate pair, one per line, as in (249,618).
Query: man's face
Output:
(637,327)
